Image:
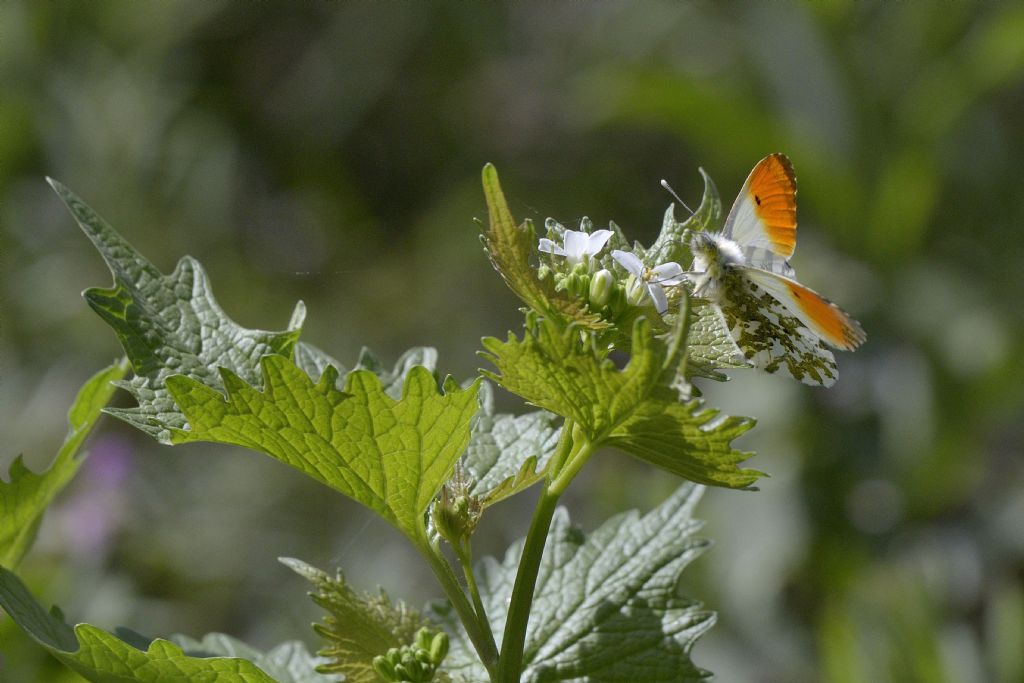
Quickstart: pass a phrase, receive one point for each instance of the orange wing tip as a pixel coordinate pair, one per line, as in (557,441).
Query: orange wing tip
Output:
(772,189)
(831,323)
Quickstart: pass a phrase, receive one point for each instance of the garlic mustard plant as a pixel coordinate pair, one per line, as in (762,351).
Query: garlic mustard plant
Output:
(430,455)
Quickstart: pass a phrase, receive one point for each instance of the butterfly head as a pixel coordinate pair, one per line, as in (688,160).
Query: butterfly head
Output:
(712,251)
(703,246)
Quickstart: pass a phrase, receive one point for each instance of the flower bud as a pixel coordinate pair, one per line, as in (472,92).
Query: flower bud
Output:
(384,668)
(423,638)
(636,292)
(455,513)
(601,285)
(439,647)
(573,284)
(561,282)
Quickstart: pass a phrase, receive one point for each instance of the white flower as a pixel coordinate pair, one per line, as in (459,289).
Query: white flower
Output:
(654,279)
(579,246)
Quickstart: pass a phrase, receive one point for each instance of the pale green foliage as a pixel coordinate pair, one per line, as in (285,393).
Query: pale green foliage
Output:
(638,408)
(357,627)
(314,362)
(289,662)
(709,345)
(103,658)
(24,499)
(392,380)
(606,606)
(392,456)
(169,325)
(390,441)
(508,453)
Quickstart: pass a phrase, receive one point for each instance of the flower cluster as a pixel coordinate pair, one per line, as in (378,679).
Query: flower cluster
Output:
(580,273)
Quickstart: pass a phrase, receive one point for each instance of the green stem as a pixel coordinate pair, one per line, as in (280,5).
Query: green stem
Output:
(477,627)
(571,469)
(510,663)
(572,456)
(562,448)
(465,556)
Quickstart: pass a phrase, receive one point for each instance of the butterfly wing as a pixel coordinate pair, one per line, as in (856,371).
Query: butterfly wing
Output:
(763,217)
(826,320)
(771,337)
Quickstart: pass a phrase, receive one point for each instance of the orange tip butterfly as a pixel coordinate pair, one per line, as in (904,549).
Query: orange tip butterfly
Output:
(778,323)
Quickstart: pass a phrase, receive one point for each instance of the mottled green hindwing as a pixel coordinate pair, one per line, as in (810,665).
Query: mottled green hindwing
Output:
(771,337)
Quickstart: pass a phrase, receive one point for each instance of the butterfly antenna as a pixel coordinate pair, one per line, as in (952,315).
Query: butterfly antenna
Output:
(664,183)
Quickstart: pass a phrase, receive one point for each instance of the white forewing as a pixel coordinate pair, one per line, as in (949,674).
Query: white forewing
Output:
(766,259)
(744,226)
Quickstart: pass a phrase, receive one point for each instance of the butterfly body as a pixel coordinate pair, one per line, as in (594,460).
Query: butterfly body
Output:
(713,256)
(778,323)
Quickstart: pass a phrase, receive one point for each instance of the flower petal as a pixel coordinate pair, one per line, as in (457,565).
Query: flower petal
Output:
(597,240)
(670,273)
(629,261)
(575,245)
(658,294)
(550,247)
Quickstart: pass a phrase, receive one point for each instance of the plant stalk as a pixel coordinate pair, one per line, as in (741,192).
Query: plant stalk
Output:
(465,556)
(476,625)
(510,662)
(566,462)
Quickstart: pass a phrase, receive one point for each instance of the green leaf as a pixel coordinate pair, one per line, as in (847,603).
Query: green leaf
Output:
(393,379)
(392,456)
(606,606)
(103,658)
(688,440)
(707,218)
(314,362)
(508,453)
(640,409)
(357,627)
(510,247)
(289,662)
(24,499)
(169,325)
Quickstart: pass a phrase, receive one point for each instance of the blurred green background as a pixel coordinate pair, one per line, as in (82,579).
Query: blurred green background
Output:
(331,152)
